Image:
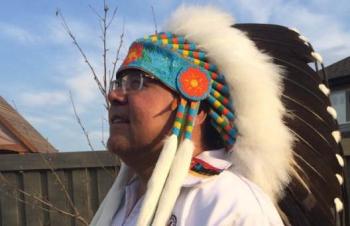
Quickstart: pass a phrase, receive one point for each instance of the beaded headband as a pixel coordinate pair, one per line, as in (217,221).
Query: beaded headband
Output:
(184,68)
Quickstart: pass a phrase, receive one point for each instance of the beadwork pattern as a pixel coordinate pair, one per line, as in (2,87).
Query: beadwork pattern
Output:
(184,67)
(204,168)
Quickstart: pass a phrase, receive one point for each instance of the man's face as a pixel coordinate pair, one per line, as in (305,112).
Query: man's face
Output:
(140,120)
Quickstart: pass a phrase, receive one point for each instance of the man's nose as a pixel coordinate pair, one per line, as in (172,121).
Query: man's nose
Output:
(117,96)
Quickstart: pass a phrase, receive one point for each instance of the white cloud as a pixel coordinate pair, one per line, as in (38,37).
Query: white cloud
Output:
(326,32)
(43,98)
(321,21)
(97,136)
(83,87)
(132,31)
(52,121)
(260,11)
(86,34)
(18,33)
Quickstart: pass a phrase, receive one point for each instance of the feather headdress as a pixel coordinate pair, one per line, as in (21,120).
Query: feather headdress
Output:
(279,130)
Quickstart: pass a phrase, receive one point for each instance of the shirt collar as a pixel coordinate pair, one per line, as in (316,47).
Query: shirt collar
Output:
(206,166)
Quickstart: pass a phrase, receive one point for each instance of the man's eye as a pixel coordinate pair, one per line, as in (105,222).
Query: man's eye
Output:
(116,84)
(134,84)
(147,82)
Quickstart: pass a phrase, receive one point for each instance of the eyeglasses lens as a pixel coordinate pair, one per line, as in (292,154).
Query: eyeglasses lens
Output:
(128,82)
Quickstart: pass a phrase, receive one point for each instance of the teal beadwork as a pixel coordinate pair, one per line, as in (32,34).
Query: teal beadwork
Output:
(164,64)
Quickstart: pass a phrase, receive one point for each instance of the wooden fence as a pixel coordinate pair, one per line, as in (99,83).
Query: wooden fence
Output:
(60,189)
(54,189)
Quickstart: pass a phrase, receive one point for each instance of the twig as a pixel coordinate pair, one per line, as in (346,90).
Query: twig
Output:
(80,122)
(116,59)
(95,11)
(113,16)
(58,179)
(86,133)
(105,50)
(103,139)
(41,200)
(75,42)
(154,19)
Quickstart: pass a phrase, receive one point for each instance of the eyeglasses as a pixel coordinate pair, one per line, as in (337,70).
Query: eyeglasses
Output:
(130,81)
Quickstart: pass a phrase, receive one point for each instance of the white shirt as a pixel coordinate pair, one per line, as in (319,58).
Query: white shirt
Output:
(220,199)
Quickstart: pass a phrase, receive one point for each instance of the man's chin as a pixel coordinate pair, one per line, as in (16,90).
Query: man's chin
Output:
(118,146)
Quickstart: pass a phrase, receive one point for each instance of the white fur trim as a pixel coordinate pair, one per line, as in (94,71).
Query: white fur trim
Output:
(337,136)
(317,57)
(340,160)
(338,205)
(324,89)
(302,37)
(294,29)
(332,112)
(264,156)
(157,180)
(177,175)
(111,202)
(339,178)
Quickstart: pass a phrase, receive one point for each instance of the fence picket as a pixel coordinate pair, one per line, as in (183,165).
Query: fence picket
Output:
(9,200)
(34,212)
(81,192)
(57,197)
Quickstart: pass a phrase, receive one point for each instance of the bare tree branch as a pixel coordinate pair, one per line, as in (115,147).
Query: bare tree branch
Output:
(154,19)
(104,80)
(95,11)
(69,32)
(63,187)
(112,17)
(105,9)
(116,59)
(102,130)
(86,132)
(41,200)
(80,122)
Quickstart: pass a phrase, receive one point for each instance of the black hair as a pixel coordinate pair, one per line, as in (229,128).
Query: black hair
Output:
(210,136)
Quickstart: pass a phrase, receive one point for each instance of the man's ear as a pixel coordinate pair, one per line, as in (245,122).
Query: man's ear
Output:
(201,116)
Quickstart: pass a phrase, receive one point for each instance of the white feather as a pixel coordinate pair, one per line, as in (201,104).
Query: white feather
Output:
(157,180)
(339,178)
(337,136)
(177,175)
(338,205)
(317,57)
(332,112)
(340,160)
(324,89)
(263,150)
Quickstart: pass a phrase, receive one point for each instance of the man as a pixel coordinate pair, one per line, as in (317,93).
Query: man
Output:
(198,121)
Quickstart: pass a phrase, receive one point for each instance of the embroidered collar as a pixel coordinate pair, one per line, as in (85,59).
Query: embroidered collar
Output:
(206,165)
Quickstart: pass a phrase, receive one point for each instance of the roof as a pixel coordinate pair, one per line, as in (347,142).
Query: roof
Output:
(19,135)
(339,69)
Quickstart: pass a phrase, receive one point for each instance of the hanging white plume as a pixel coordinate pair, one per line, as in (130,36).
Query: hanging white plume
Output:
(156,182)
(263,149)
(177,175)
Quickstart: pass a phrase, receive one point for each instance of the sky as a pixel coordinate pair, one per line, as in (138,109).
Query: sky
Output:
(40,66)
